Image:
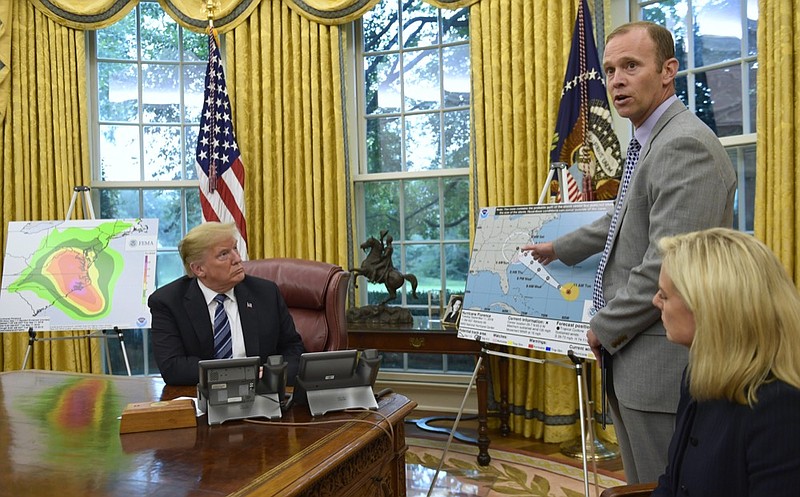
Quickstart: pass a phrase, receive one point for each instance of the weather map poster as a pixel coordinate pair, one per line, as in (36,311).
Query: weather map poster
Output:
(510,299)
(89,274)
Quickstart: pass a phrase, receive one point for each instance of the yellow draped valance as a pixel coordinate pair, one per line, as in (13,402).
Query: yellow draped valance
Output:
(191,14)
(90,14)
(333,12)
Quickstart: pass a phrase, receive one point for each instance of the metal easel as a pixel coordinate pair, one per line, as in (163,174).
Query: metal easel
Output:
(88,210)
(558,172)
(591,449)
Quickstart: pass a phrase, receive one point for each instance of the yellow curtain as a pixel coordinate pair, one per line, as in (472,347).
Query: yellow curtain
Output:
(5,57)
(519,50)
(44,153)
(285,73)
(777,213)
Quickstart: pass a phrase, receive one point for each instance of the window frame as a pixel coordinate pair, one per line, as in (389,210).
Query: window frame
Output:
(361,177)
(734,144)
(142,186)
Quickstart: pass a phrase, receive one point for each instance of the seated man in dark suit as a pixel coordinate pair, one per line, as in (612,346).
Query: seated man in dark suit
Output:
(252,319)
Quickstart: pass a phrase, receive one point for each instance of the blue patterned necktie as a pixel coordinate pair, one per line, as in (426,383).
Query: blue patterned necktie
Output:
(223,345)
(598,302)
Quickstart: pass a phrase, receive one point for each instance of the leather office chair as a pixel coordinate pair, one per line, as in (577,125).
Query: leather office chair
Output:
(315,293)
(636,490)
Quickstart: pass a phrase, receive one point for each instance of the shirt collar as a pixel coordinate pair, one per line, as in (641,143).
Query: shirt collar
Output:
(643,132)
(209,294)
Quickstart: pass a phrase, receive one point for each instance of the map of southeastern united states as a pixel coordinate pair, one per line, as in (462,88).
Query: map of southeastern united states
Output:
(496,244)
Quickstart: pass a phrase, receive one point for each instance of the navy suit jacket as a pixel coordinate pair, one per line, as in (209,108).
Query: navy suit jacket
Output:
(182,334)
(721,448)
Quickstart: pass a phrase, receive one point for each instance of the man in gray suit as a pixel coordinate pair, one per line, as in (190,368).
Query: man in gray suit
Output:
(680,180)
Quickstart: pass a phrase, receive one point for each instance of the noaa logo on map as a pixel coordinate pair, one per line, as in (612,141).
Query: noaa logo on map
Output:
(141,321)
(484,213)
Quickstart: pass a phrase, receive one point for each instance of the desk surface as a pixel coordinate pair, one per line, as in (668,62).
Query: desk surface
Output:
(59,435)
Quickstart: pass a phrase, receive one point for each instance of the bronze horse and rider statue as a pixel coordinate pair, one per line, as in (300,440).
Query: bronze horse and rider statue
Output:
(377,267)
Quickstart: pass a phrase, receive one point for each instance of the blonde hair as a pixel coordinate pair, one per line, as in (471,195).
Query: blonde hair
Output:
(202,237)
(746,311)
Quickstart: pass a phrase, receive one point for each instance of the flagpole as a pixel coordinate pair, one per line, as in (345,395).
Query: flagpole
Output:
(210,7)
(584,154)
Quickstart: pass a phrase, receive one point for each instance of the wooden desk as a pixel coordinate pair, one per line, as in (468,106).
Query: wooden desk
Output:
(59,435)
(430,337)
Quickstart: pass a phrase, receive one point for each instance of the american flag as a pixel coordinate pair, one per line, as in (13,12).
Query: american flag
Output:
(219,164)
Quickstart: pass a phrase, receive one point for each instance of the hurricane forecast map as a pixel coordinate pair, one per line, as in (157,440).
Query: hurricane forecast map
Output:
(78,275)
(510,299)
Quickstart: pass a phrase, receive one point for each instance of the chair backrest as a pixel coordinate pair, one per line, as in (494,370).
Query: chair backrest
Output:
(315,293)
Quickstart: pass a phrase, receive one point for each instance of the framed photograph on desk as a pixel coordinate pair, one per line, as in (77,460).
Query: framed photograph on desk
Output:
(453,311)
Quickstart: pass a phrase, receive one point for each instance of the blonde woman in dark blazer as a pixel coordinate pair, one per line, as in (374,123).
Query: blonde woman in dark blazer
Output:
(726,297)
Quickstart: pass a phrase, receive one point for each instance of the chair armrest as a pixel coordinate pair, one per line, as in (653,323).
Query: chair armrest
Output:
(635,490)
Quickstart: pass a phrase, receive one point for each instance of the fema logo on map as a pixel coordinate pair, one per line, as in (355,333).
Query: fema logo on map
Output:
(141,243)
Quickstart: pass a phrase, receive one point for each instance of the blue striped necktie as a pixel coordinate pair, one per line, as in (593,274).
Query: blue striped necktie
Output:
(223,344)
(598,301)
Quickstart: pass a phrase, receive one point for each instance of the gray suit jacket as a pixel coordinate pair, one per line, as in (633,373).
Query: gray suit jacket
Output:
(684,182)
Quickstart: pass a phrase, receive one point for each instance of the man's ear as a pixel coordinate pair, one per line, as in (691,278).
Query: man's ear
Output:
(197,269)
(669,70)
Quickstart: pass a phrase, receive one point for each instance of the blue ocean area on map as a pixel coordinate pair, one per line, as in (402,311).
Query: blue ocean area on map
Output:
(500,283)
(529,295)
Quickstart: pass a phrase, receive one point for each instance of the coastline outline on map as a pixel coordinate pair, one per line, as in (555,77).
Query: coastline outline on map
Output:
(510,298)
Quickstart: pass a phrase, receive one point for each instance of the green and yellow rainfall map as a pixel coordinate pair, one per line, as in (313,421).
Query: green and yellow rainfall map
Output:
(78,275)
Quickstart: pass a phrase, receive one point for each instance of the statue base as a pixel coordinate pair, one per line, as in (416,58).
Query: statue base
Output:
(379,314)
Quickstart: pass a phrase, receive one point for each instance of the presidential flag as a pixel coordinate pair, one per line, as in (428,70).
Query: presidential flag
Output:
(219,164)
(584,135)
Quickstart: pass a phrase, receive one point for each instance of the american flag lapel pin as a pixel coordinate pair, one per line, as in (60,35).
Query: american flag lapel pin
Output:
(249,305)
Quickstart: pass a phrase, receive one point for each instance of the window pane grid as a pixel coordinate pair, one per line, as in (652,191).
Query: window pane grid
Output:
(413,71)
(149,93)
(716,45)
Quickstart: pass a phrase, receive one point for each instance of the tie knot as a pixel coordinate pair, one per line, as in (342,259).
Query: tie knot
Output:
(220,298)
(634,144)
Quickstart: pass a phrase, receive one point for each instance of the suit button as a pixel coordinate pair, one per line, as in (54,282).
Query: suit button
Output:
(693,441)
(684,490)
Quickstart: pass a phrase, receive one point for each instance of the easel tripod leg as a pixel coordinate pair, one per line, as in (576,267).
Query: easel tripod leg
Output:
(31,340)
(124,352)
(483,431)
(505,428)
